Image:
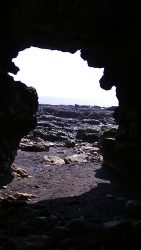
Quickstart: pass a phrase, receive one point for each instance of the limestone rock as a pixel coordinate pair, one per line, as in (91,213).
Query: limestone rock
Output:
(76,158)
(23,196)
(34,147)
(70,144)
(19,172)
(88,135)
(52,159)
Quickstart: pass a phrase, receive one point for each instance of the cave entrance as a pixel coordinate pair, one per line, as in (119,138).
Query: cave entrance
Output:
(62,152)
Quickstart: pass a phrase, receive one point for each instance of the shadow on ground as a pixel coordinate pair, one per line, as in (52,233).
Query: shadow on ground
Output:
(72,222)
(6,179)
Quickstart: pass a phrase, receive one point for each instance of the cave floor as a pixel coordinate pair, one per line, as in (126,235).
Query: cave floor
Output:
(66,206)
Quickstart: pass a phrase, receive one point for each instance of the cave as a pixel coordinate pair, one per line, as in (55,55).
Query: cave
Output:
(108,35)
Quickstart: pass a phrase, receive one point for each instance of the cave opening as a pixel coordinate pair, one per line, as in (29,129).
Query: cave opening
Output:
(62,78)
(97,209)
(73,117)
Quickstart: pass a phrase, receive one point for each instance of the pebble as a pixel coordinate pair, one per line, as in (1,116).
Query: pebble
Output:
(133,208)
(53,218)
(109,196)
(36,186)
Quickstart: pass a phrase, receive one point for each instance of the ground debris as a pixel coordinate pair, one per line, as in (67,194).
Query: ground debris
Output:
(23,196)
(52,159)
(19,172)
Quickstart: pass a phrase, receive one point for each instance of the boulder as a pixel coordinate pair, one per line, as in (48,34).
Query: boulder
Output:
(76,158)
(87,135)
(70,144)
(52,159)
(34,147)
(108,150)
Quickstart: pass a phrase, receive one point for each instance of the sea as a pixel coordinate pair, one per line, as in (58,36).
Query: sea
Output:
(72,101)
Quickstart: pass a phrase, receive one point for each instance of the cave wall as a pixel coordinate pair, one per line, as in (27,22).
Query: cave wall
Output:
(108,34)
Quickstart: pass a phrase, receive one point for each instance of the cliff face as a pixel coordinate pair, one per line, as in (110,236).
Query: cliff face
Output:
(107,33)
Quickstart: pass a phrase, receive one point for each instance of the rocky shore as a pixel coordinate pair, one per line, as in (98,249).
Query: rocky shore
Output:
(59,195)
(70,126)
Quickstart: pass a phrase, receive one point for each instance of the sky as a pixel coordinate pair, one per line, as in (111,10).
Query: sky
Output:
(62,78)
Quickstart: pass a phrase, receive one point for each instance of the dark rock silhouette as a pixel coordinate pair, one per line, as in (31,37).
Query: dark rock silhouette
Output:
(18,116)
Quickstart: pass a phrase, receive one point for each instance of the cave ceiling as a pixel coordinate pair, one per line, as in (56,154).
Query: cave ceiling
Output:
(107,32)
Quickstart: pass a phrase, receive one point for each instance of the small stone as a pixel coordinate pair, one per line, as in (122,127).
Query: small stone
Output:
(111,224)
(120,198)
(60,232)
(52,218)
(36,186)
(1,198)
(52,160)
(70,144)
(11,197)
(109,196)
(19,172)
(4,187)
(36,147)
(133,208)
(76,158)
(23,196)
(76,224)
(116,225)
(41,218)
